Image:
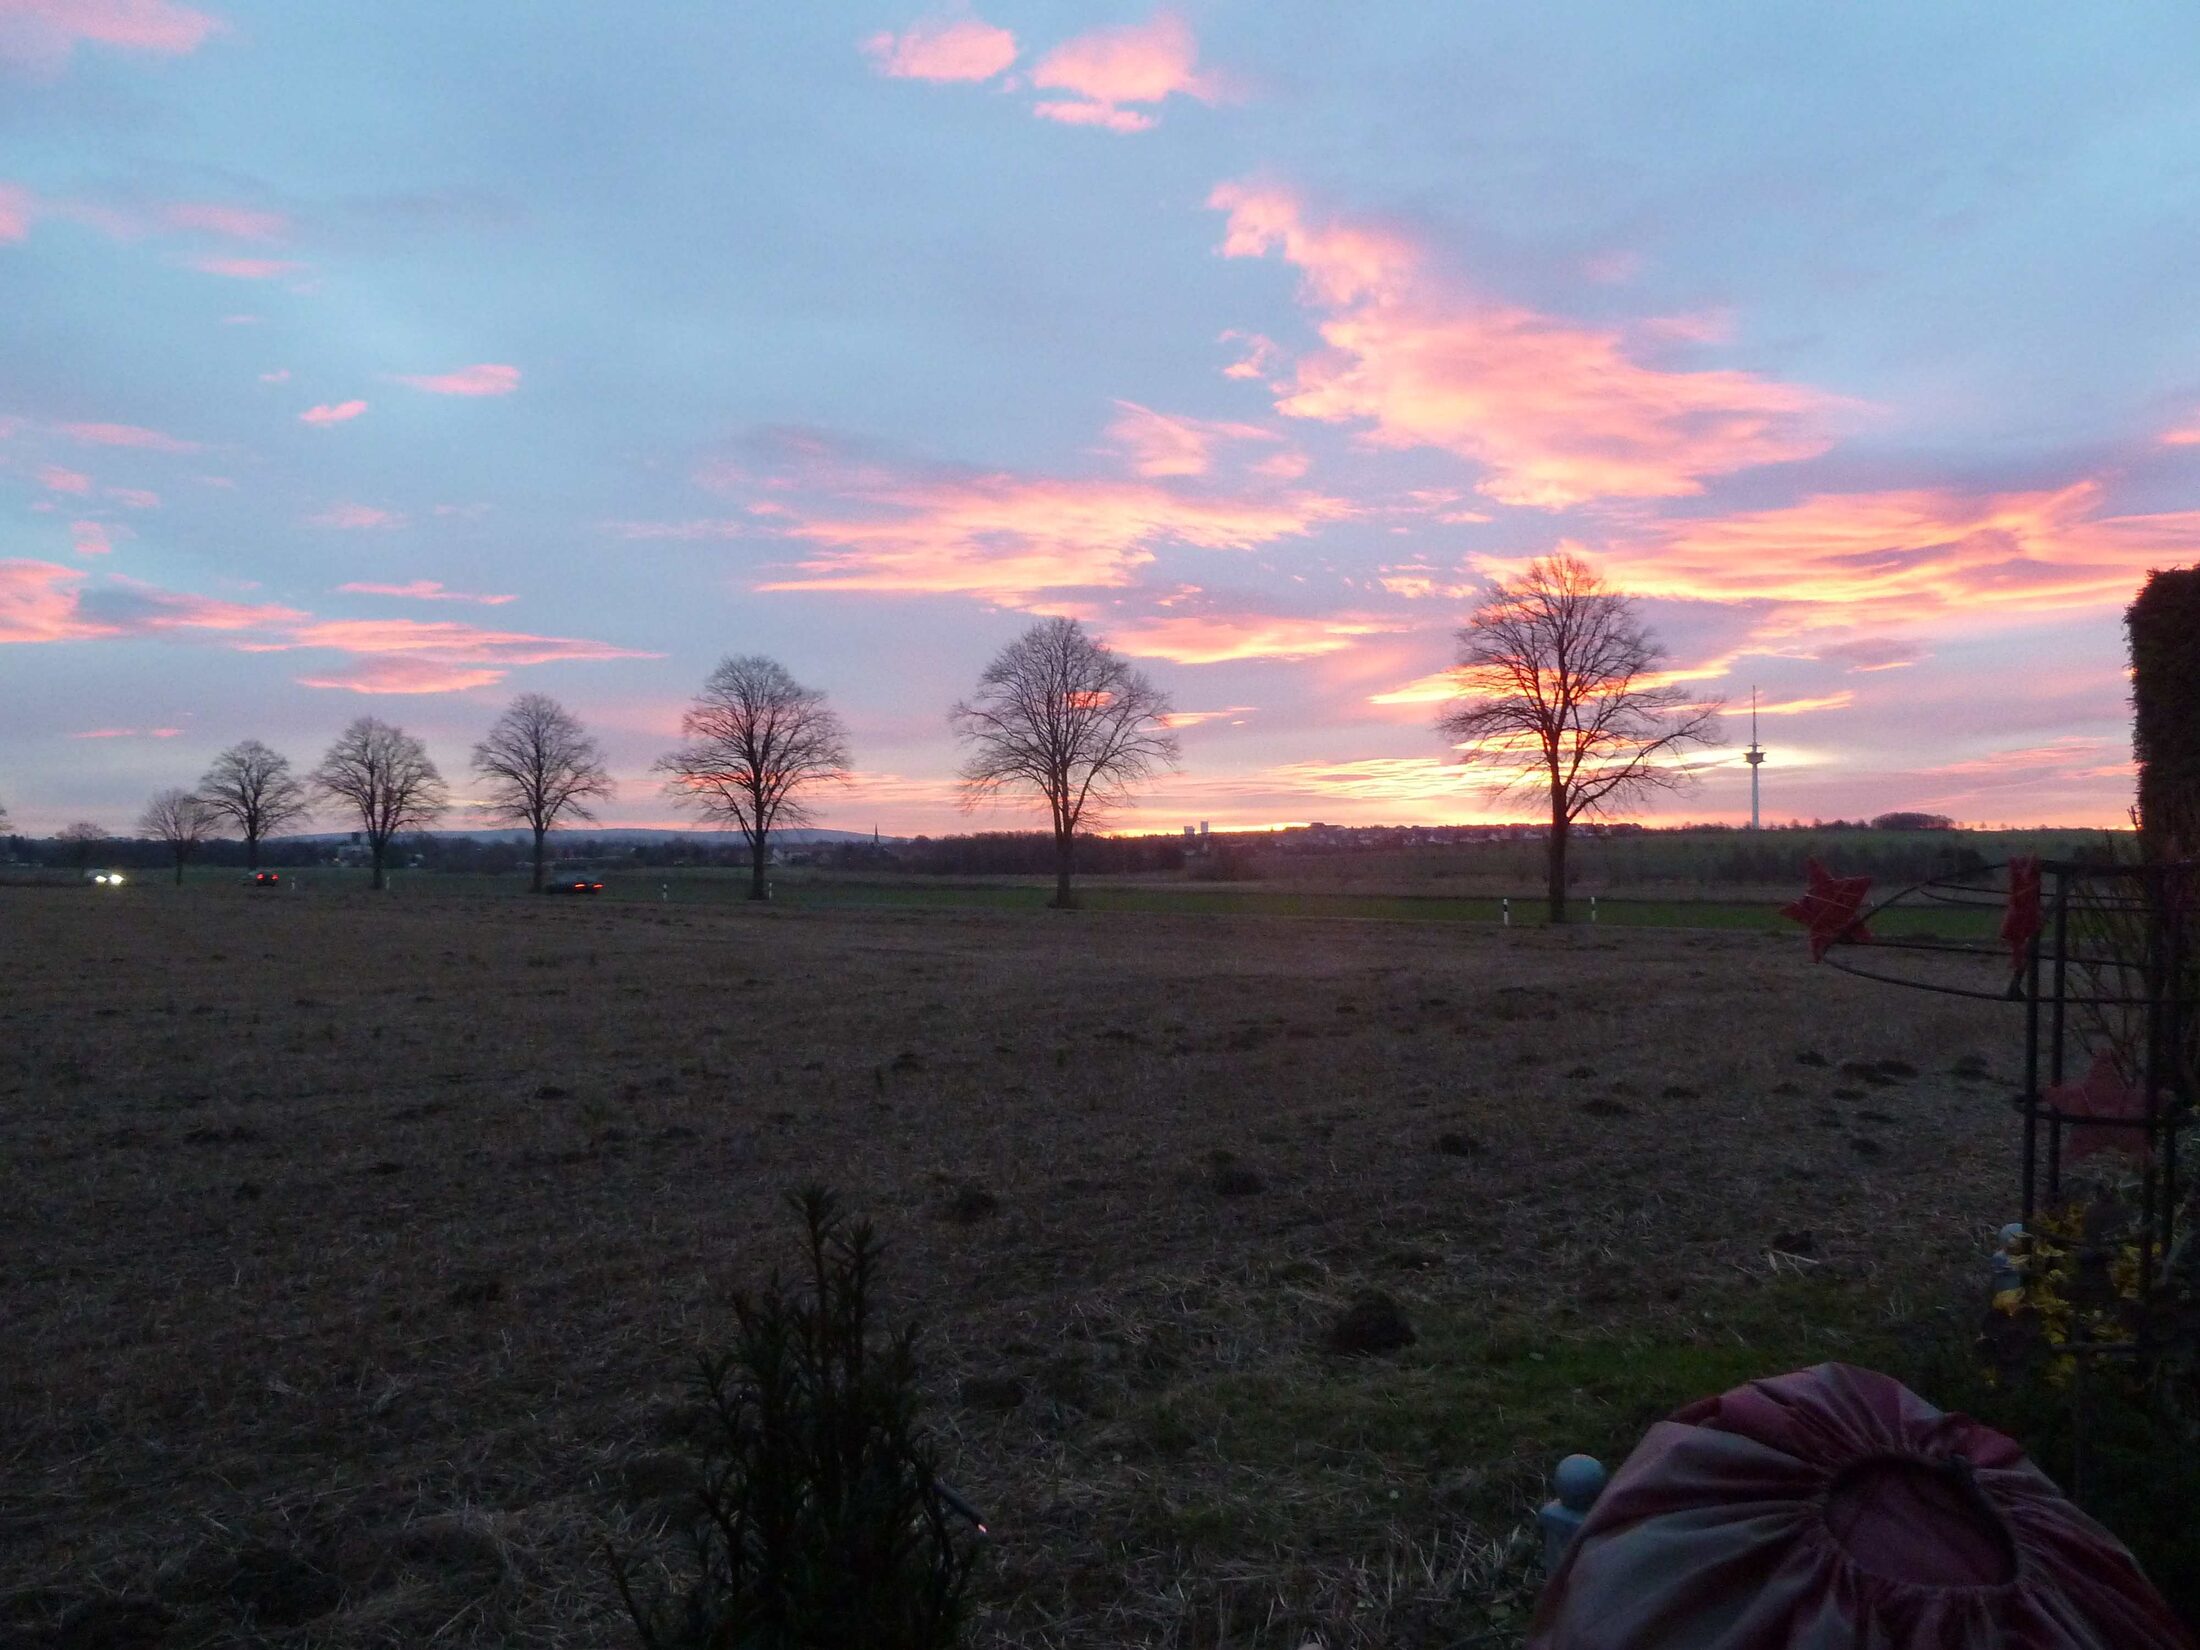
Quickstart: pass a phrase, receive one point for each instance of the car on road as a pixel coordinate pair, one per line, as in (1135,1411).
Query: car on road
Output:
(264,879)
(105,879)
(572,885)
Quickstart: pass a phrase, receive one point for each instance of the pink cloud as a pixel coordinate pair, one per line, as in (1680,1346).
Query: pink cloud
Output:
(244,269)
(241,223)
(56,479)
(1080,113)
(1007,537)
(2185,436)
(134,498)
(46,602)
(16,207)
(1557,413)
(332,412)
(46,32)
(91,538)
(406,676)
(352,517)
(1171,444)
(963,48)
(485,379)
(281,375)
(445,642)
(423,590)
(128,733)
(129,435)
(38,601)
(1260,358)
(1137,63)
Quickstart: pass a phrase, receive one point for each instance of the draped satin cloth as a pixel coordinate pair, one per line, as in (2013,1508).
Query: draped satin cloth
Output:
(1834,1509)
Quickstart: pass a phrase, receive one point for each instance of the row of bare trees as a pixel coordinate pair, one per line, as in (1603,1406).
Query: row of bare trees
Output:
(1560,695)
(1058,715)
(538,766)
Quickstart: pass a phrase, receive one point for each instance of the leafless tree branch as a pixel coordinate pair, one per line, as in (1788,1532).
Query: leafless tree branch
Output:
(757,741)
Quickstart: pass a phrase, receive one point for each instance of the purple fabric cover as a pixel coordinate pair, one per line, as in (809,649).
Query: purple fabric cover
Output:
(1834,1509)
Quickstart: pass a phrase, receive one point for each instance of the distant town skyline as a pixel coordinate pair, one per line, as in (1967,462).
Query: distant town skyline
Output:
(399,360)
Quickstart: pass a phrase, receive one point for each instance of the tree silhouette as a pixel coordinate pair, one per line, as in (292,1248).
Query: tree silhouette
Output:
(382,777)
(756,740)
(1559,696)
(254,789)
(541,766)
(83,836)
(181,820)
(1061,714)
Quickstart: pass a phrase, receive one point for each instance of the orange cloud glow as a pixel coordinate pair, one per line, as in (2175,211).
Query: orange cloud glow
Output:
(1437,689)
(1558,413)
(1797,707)
(1194,718)
(1387,779)
(333,412)
(1196,639)
(1107,68)
(958,48)
(488,378)
(1899,556)
(1008,537)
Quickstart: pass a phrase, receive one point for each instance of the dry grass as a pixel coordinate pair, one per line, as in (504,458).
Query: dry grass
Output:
(358,1247)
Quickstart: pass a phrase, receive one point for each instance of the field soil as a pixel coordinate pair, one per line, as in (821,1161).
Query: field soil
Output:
(359,1249)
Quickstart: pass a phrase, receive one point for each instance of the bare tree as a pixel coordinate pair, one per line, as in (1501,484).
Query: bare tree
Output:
(381,776)
(181,820)
(253,788)
(541,766)
(1560,695)
(1061,714)
(83,836)
(756,740)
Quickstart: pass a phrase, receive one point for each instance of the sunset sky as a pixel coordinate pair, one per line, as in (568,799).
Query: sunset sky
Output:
(399,358)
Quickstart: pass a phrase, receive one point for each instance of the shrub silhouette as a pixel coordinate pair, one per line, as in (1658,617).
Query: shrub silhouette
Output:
(820,1523)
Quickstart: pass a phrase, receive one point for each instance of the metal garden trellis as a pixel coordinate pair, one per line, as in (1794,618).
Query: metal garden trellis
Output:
(2105,959)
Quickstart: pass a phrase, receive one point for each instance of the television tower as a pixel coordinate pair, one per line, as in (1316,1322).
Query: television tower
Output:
(1755,757)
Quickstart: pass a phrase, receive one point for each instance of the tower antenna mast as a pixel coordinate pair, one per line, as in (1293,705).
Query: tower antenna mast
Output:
(1755,757)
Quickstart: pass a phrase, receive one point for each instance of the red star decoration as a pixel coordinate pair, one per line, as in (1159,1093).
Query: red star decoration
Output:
(1829,909)
(2020,924)
(2102,1093)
